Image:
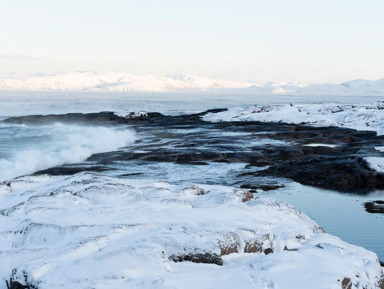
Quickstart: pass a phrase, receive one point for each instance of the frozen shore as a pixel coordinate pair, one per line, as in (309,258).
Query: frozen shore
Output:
(95,231)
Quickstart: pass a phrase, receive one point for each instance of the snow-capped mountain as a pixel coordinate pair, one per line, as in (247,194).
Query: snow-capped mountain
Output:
(109,81)
(123,82)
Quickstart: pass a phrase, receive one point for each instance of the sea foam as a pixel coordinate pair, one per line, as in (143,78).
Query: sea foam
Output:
(48,146)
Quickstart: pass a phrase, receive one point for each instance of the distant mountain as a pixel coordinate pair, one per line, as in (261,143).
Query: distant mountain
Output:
(123,82)
(109,81)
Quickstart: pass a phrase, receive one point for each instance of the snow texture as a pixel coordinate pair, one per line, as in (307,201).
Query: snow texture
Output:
(95,231)
(360,117)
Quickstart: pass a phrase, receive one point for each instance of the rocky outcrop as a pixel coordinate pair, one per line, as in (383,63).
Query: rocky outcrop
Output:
(336,173)
(375,207)
(206,258)
(346,283)
(17,281)
(326,157)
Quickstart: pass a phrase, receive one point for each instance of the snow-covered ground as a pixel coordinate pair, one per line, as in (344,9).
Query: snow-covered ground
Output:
(359,117)
(123,82)
(95,231)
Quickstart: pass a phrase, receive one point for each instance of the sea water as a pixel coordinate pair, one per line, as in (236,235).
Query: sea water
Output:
(26,149)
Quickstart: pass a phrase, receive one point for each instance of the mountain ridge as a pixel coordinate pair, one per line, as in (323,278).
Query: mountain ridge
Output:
(124,82)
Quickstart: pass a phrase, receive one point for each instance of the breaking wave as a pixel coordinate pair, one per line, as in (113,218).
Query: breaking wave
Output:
(32,148)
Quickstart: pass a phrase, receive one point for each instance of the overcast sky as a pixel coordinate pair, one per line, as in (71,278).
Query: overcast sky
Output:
(266,40)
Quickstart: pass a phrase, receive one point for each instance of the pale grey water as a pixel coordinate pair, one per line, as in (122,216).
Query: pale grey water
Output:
(341,215)
(27,103)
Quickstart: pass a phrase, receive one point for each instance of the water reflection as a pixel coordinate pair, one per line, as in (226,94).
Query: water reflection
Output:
(342,215)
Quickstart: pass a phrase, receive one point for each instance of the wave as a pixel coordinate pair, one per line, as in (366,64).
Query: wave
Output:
(34,148)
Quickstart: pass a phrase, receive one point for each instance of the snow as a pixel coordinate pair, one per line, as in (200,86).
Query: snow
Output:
(114,82)
(376,163)
(95,231)
(380,149)
(360,117)
(124,82)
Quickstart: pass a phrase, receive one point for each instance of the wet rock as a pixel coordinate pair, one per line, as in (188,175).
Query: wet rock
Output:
(206,258)
(185,157)
(187,139)
(266,187)
(375,207)
(66,170)
(341,174)
(100,118)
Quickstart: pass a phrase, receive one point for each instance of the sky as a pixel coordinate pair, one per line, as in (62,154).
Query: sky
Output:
(264,40)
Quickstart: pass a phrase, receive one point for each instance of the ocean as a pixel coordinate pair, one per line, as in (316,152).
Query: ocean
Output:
(26,149)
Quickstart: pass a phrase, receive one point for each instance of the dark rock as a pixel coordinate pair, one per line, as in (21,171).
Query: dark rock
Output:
(206,258)
(375,207)
(65,170)
(229,245)
(340,168)
(131,174)
(268,251)
(100,118)
(346,283)
(337,173)
(266,187)
(271,187)
(259,245)
(253,247)
(381,283)
(286,249)
(14,283)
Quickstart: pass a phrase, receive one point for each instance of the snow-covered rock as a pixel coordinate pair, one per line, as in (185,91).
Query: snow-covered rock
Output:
(95,231)
(376,163)
(360,117)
